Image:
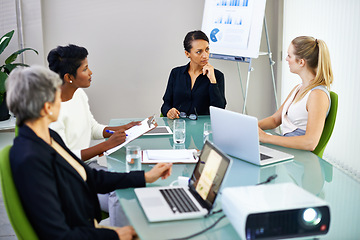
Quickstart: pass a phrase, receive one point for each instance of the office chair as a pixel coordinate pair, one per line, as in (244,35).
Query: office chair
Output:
(14,209)
(328,126)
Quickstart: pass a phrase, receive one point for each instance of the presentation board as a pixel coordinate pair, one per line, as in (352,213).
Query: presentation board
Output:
(234,28)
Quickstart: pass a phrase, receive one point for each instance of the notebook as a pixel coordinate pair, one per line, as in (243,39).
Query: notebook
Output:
(237,135)
(193,201)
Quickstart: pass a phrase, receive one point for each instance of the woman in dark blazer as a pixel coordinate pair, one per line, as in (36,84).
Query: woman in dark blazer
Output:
(57,190)
(193,88)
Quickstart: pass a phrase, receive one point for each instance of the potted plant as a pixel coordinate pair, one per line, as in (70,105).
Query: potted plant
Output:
(5,70)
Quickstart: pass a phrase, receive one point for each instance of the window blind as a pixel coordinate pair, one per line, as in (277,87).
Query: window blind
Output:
(338,24)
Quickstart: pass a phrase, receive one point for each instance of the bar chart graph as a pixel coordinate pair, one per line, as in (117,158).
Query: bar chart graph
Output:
(235,3)
(234,26)
(228,19)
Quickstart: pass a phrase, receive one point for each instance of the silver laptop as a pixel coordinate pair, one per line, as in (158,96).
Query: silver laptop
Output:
(193,201)
(237,135)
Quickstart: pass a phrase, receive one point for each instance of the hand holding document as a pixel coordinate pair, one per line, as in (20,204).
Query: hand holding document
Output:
(170,156)
(136,131)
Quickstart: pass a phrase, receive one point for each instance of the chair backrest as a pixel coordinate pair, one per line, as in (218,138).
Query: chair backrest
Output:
(329,125)
(14,209)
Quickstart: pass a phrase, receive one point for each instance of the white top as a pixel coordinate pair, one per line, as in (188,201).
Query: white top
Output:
(76,124)
(295,115)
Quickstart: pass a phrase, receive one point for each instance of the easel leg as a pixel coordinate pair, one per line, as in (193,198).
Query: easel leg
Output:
(271,62)
(241,85)
(247,86)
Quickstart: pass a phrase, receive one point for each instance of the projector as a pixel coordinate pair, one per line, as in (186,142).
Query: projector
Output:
(275,211)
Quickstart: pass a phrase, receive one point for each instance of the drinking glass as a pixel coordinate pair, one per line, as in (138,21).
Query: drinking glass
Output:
(179,146)
(133,158)
(179,129)
(207,132)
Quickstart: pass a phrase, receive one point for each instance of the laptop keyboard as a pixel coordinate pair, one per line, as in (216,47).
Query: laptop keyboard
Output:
(264,157)
(178,200)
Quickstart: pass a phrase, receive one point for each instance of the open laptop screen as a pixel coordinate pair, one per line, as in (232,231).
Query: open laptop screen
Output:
(209,174)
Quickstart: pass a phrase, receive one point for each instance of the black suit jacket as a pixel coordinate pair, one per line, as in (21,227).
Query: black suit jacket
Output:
(204,94)
(57,201)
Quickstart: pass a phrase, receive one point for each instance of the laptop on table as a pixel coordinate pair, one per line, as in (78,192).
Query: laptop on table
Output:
(193,201)
(237,135)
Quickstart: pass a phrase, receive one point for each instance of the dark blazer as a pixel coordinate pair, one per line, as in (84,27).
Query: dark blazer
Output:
(203,94)
(57,201)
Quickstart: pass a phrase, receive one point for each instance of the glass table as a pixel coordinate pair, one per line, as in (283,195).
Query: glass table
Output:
(305,170)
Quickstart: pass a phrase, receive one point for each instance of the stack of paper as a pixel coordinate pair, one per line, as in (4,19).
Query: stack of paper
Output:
(173,156)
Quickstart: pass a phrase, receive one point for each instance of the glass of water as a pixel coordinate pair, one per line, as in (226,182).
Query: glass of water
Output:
(179,130)
(207,132)
(179,146)
(133,158)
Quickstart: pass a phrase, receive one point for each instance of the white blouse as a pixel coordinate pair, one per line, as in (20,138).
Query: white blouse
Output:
(76,124)
(295,115)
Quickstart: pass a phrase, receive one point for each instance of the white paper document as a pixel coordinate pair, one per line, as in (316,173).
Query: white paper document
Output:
(135,132)
(173,156)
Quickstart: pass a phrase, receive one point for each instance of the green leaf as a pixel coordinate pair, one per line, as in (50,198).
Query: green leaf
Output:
(11,66)
(4,41)
(3,77)
(16,54)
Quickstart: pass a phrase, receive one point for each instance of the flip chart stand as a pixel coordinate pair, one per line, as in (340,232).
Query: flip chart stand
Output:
(250,69)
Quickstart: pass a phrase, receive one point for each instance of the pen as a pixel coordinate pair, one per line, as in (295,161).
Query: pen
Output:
(111,131)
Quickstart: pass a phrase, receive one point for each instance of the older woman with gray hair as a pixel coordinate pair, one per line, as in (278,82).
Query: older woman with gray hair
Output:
(57,190)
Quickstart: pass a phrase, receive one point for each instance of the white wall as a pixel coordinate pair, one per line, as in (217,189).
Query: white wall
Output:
(132,47)
(338,24)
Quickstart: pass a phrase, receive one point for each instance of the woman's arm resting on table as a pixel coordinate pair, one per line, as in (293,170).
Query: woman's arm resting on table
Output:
(162,170)
(115,139)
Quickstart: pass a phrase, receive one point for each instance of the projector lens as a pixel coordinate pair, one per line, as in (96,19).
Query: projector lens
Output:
(311,216)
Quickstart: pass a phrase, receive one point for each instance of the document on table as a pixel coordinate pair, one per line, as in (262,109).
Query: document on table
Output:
(173,156)
(136,131)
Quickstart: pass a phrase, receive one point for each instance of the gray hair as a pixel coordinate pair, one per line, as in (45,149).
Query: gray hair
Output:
(28,89)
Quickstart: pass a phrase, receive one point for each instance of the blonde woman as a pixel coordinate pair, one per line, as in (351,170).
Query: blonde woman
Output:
(302,115)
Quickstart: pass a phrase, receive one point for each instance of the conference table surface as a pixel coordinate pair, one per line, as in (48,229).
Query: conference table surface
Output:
(306,170)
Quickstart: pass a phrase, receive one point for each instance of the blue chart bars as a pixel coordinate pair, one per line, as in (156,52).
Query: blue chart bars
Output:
(229,20)
(237,3)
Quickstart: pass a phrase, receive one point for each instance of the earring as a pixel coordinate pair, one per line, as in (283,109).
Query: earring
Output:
(70,81)
(50,113)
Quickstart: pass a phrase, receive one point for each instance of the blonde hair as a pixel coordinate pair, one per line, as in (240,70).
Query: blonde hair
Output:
(316,54)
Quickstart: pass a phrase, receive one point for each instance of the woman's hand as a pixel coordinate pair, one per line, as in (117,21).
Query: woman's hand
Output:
(173,113)
(208,70)
(116,138)
(263,135)
(131,124)
(162,170)
(126,233)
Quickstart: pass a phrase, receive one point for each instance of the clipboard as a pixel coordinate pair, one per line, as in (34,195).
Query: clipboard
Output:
(136,131)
